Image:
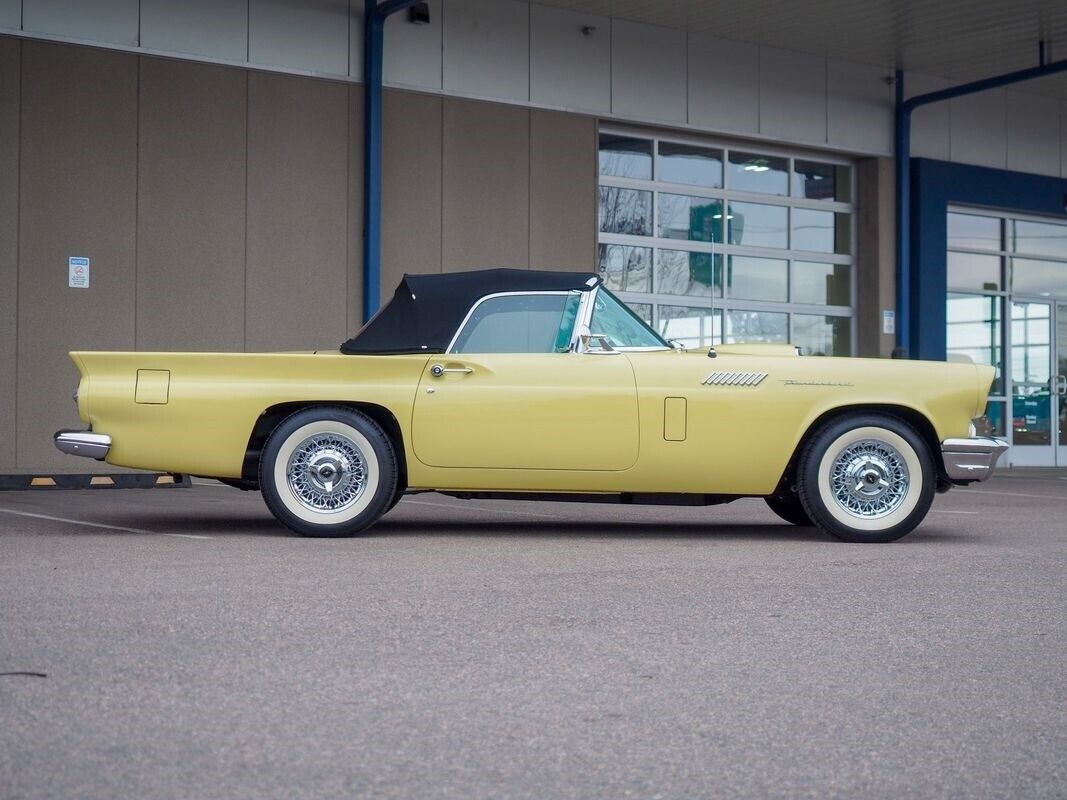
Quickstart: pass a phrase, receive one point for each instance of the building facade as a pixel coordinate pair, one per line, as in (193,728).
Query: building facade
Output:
(189,176)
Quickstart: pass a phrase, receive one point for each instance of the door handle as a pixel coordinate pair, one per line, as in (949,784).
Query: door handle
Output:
(437,370)
(1060,385)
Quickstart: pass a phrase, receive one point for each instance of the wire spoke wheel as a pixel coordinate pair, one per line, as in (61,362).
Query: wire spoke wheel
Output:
(869,479)
(866,478)
(327,472)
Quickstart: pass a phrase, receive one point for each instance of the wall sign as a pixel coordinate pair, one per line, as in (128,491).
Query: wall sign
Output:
(78,272)
(889,322)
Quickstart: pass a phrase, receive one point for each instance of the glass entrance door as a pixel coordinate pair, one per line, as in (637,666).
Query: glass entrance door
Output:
(1035,412)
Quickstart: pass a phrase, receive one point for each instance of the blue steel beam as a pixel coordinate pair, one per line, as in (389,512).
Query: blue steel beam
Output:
(374,16)
(904,109)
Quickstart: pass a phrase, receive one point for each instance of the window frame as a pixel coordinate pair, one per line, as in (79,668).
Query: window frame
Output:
(586,305)
(451,349)
(717,297)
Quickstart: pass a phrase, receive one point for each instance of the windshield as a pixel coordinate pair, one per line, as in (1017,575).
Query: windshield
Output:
(623,328)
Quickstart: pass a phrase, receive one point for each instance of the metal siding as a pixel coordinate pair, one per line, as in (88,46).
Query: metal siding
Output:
(567,68)
(11,14)
(485,186)
(563,166)
(723,85)
(212,28)
(355,39)
(1033,131)
(411,188)
(859,112)
(413,52)
(487,48)
(297,273)
(191,219)
(931,126)
(979,129)
(112,21)
(303,36)
(648,72)
(10,87)
(77,197)
(963,39)
(792,95)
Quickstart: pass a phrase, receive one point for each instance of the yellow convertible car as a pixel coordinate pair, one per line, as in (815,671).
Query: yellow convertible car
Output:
(529,385)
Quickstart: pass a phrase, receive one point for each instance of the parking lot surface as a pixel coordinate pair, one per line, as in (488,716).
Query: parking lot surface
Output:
(465,649)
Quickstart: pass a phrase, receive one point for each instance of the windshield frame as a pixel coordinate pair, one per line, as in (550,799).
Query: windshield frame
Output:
(585,316)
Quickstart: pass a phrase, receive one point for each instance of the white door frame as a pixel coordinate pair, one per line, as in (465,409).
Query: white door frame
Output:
(1033,455)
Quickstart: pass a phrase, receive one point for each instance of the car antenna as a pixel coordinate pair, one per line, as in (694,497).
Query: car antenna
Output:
(711,275)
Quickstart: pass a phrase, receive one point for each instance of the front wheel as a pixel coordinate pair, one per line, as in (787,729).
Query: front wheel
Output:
(867,478)
(328,471)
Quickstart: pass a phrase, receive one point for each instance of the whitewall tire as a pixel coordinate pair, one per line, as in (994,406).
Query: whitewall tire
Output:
(328,471)
(867,478)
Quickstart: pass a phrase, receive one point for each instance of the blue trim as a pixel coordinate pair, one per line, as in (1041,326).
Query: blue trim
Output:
(905,191)
(935,185)
(374,16)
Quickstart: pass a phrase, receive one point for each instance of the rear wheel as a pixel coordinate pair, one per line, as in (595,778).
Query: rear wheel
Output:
(867,478)
(328,471)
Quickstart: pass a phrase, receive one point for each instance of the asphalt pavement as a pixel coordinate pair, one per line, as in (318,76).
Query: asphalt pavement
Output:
(192,648)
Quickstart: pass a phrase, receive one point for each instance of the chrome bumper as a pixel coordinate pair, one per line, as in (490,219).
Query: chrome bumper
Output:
(83,443)
(971,459)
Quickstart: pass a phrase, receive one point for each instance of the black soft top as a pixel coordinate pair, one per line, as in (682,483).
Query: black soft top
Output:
(426,310)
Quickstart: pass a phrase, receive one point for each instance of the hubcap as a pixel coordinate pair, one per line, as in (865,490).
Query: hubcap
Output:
(869,479)
(327,472)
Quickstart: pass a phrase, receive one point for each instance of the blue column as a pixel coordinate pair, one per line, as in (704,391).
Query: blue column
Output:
(374,16)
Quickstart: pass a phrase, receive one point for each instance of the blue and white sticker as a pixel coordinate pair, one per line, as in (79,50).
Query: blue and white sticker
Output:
(78,272)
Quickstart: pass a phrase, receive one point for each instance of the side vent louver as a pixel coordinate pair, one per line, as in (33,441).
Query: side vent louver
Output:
(735,379)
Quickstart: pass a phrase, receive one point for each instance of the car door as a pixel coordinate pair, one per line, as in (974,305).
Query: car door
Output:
(510,394)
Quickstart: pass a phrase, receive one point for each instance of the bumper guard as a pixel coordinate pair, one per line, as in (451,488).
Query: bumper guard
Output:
(973,459)
(83,443)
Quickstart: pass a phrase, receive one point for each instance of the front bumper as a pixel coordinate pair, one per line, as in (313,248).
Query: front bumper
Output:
(83,443)
(973,459)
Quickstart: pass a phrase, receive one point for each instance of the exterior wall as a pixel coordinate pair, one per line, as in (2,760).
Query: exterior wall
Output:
(523,53)
(221,210)
(935,186)
(876,256)
(10,92)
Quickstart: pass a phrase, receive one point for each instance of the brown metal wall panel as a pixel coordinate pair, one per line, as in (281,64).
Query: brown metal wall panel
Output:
(297,213)
(486,186)
(191,207)
(876,258)
(563,164)
(10,56)
(411,195)
(77,198)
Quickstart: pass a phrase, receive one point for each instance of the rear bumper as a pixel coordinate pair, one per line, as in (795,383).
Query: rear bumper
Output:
(973,459)
(83,443)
